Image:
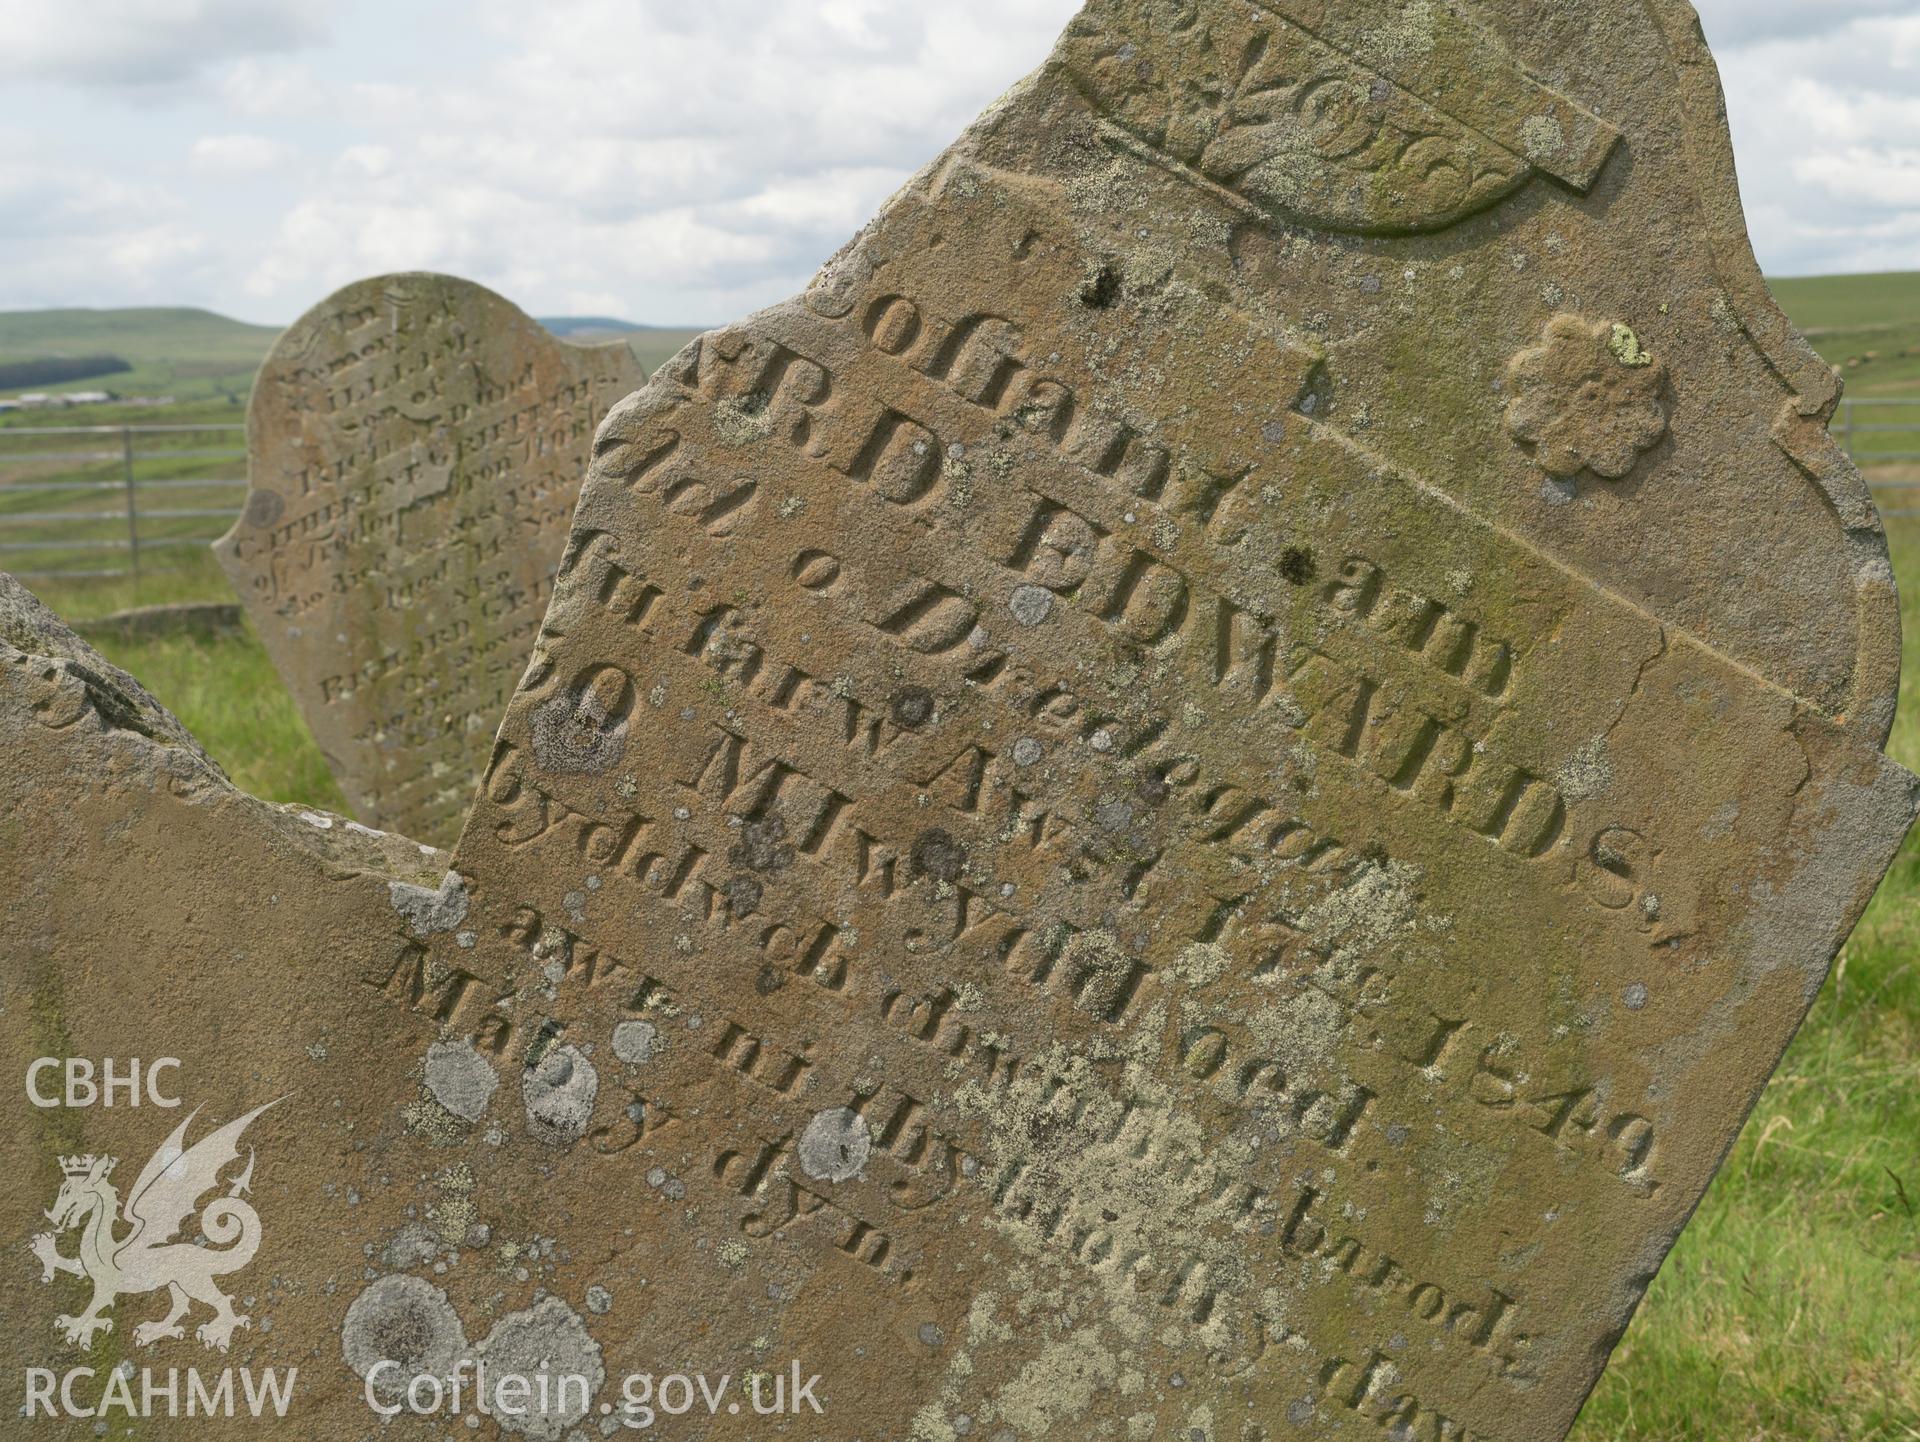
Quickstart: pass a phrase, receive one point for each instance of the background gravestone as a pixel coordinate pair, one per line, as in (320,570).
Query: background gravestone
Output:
(415,446)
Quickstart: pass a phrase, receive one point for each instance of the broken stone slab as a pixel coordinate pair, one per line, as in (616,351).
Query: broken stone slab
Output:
(415,447)
(1217,795)
(185,954)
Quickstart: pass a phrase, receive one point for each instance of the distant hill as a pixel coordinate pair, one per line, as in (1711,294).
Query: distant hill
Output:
(651,345)
(568,326)
(174,334)
(196,357)
(1848,302)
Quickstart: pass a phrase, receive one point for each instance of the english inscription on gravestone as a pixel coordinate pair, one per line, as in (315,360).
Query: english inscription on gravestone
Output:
(416,444)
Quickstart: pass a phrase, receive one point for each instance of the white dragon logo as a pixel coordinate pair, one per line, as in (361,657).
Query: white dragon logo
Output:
(166,1194)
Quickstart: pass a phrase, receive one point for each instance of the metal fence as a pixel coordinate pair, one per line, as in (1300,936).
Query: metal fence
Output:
(1882,431)
(73,496)
(1875,428)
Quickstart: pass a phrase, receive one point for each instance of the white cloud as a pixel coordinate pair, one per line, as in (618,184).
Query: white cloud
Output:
(93,233)
(1824,126)
(237,155)
(714,155)
(676,162)
(145,44)
(1731,23)
(267,87)
(835,201)
(1867,177)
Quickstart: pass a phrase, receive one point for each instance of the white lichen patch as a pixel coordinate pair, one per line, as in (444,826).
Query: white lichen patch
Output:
(549,1345)
(460,1079)
(1544,138)
(1377,907)
(406,1320)
(835,1145)
(559,1093)
(634,1042)
(1587,773)
(1059,1384)
(1096,1170)
(1202,963)
(428,913)
(743,420)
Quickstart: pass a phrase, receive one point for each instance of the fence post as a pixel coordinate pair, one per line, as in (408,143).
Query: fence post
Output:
(1846,423)
(133,517)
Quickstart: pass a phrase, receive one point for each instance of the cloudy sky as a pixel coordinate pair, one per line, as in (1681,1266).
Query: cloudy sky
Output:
(674,162)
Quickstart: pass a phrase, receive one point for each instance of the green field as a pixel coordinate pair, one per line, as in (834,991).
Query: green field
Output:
(205,361)
(194,356)
(1867,325)
(1789,1312)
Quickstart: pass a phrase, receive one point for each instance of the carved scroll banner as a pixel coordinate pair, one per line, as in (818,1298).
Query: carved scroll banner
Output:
(1189,801)
(415,444)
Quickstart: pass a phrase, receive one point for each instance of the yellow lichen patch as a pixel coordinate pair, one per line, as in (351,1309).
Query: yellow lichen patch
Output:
(1626,347)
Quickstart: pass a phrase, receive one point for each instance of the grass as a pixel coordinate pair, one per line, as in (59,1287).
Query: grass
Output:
(1868,326)
(228,694)
(1822,304)
(1790,1310)
(193,576)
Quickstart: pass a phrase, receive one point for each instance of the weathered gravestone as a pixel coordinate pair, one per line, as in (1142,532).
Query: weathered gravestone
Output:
(416,444)
(1218,768)
(1190,801)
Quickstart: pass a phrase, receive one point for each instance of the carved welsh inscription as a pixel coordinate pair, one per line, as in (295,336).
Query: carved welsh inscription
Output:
(416,444)
(1117,875)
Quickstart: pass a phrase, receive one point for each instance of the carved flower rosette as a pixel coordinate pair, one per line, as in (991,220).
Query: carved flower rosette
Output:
(1586,398)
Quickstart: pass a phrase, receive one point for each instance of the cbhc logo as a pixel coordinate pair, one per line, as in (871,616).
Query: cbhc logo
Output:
(82,1089)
